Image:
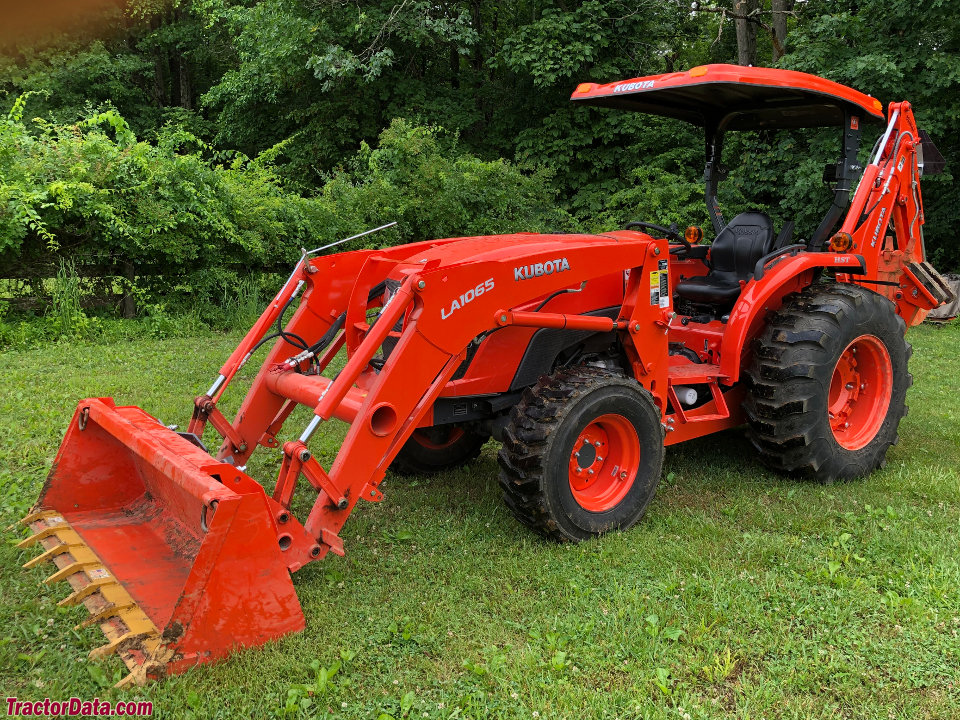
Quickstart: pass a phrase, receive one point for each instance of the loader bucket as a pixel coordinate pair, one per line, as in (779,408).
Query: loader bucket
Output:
(174,555)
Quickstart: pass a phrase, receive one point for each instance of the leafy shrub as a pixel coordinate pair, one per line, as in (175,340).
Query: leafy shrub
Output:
(195,220)
(435,192)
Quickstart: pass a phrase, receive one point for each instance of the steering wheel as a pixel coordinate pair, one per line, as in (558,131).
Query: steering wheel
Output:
(672,232)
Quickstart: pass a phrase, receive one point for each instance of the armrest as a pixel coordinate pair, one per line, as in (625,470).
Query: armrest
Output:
(761,263)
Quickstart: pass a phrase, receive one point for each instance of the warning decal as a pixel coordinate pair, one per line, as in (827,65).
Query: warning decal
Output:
(660,285)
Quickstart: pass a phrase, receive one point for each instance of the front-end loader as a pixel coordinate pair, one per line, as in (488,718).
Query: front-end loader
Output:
(585,355)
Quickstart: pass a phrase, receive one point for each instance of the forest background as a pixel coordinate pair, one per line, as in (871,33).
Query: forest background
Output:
(165,159)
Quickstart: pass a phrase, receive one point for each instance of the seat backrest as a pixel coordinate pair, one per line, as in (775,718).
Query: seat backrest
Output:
(745,239)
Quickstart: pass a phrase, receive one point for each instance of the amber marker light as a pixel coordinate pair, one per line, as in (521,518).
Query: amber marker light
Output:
(841,242)
(693,234)
(583,87)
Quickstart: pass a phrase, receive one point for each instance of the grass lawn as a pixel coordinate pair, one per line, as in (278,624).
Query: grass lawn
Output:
(741,594)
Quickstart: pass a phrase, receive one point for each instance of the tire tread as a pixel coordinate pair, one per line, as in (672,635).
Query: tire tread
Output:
(787,396)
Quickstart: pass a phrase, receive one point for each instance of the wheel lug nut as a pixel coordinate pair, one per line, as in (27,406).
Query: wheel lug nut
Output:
(849,386)
(623,476)
(846,425)
(863,386)
(589,472)
(597,443)
(599,459)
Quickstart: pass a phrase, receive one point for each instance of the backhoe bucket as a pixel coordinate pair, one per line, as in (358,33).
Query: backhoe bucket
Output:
(174,554)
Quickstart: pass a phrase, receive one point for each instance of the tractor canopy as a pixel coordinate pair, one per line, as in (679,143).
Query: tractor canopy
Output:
(720,98)
(732,97)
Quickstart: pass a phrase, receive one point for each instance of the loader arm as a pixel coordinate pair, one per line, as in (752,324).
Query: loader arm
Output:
(179,557)
(442,302)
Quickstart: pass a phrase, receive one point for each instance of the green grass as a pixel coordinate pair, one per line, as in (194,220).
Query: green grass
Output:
(741,594)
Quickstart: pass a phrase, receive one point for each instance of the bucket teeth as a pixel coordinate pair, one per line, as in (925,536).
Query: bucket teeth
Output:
(85,592)
(39,515)
(117,644)
(69,570)
(137,676)
(131,634)
(143,672)
(112,610)
(48,531)
(130,680)
(49,554)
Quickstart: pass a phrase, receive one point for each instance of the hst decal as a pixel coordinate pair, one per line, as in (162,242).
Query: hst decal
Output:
(470,295)
(525,272)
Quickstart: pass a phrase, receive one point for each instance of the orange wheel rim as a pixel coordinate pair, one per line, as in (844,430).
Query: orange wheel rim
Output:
(441,441)
(860,392)
(604,462)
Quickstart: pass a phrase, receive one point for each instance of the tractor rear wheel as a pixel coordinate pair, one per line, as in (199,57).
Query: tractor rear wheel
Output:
(433,449)
(582,454)
(828,383)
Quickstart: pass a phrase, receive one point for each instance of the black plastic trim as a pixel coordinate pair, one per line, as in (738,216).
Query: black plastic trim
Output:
(546,344)
(448,410)
(758,270)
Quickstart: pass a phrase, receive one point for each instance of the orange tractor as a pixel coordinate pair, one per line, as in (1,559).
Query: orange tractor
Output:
(585,355)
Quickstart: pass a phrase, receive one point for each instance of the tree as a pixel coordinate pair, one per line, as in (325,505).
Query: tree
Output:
(780,10)
(746,31)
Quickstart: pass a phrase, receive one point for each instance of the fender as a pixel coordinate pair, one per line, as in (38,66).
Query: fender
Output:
(787,274)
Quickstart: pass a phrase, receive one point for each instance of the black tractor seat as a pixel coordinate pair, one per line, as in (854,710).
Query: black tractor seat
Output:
(733,257)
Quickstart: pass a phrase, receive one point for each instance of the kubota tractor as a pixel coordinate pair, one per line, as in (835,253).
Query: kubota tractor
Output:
(585,355)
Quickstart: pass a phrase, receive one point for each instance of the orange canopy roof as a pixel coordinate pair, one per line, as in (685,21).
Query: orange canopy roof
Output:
(753,97)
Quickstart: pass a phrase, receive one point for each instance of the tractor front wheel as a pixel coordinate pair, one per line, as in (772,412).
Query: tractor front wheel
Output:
(433,449)
(582,454)
(828,383)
